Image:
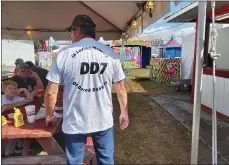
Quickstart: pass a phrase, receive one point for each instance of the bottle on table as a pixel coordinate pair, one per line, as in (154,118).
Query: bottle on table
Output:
(18,118)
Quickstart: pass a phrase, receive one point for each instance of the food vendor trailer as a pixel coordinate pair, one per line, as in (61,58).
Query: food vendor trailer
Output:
(136,53)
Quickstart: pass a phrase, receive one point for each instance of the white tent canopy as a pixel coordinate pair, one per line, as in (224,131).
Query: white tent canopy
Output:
(47,18)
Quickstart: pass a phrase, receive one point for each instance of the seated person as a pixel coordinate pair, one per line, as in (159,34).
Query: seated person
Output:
(17,61)
(10,99)
(41,72)
(28,79)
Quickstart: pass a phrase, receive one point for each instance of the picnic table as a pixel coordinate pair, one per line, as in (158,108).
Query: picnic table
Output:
(42,134)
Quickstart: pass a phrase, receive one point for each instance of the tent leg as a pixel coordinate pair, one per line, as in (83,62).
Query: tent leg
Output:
(198,80)
(122,54)
(122,59)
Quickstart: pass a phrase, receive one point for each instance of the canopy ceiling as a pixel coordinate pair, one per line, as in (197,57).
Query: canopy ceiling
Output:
(47,18)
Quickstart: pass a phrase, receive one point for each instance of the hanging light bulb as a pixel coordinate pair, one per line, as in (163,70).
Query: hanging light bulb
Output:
(127,36)
(123,35)
(134,24)
(149,5)
(28,32)
(149,8)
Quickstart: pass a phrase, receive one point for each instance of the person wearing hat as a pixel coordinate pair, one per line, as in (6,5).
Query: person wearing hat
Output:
(17,61)
(41,72)
(26,78)
(87,69)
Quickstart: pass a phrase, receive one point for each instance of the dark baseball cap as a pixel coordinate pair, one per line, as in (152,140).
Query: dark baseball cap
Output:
(81,21)
(23,66)
(30,64)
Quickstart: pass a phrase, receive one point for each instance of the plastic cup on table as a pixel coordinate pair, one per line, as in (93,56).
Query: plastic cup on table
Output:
(30,112)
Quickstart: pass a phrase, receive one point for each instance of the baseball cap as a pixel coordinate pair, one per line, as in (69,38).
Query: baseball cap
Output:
(18,60)
(30,64)
(23,66)
(81,21)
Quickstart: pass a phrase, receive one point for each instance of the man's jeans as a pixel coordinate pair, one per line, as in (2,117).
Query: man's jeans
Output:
(103,144)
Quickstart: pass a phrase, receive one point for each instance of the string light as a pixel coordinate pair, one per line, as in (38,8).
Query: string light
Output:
(149,5)
(146,7)
(125,36)
(134,24)
(28,32)
(149,8)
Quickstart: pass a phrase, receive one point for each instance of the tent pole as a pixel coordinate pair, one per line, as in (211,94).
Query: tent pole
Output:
(122,52)
(198,80)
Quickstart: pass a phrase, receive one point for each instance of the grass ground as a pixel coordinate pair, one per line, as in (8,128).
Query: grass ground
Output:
(153,135)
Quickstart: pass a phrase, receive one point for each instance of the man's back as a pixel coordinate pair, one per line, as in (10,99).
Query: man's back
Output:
(87,70)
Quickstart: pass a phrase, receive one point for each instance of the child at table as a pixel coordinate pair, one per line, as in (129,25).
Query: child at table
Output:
(10,99)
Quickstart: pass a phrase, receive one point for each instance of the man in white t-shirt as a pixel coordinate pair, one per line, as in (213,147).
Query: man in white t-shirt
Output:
(87,69)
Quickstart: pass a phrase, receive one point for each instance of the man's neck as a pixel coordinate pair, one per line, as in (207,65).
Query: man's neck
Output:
(9,97)
(81,38)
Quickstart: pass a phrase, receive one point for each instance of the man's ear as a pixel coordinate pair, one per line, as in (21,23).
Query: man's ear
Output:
(77,31)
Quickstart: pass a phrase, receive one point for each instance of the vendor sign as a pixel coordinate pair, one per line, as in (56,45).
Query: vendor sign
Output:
(147,43)
(132,56)
(165,70)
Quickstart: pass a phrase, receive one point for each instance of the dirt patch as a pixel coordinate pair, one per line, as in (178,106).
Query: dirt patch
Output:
(153,135)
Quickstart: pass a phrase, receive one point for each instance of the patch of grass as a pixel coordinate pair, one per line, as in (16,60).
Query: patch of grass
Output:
(138,73)
(148,82)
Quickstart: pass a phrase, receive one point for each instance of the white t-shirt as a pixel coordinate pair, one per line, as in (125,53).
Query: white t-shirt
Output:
(87,70)
(16,99)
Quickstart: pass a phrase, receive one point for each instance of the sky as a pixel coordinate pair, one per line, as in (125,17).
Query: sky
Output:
(178,32)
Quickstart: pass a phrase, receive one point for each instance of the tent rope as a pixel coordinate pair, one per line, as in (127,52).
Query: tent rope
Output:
(214,56)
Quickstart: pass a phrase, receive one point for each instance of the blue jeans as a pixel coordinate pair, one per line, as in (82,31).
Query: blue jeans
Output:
(103,144)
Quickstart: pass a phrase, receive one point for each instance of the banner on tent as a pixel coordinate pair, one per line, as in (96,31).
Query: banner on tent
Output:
(45,59)
(132,56)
